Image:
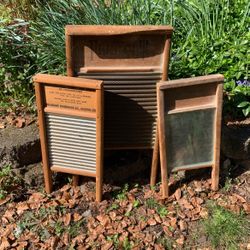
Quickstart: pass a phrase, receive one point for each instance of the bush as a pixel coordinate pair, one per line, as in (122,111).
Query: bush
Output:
(210,36)
(17,57)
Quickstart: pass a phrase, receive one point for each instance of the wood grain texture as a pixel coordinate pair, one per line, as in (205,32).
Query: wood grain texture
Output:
(110,30)
(65,81)
(99,145)
(69,58)
(191,81)
(208,97)
(108,53)
(54,92)
(162,143)
(155,158)
(217,138)
(43,141)
(72,171)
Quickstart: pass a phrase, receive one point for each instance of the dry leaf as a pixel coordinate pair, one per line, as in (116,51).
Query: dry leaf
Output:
(104,220)
(130,207)
(5,243)
(177,194)
(5,200)
(107,245)
(216,196)
(159,247)
(21,207)
(183,225)
(36,197)
(2,125)
(67,219)
(142,225)
(204,213)
(10,120)
(151,222)
(240,198)
(191,192)
(20,122)
(180,240)
(77,217)
(246,208)
(9,214)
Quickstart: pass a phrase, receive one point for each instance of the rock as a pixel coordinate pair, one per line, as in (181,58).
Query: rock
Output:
(235,142)
(33,175)
(19,147)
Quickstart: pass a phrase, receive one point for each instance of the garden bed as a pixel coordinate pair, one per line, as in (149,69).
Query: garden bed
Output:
(131,216)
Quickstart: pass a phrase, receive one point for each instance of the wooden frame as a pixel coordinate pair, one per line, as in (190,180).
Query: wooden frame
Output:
(65,104)
(104,49)
(189,95)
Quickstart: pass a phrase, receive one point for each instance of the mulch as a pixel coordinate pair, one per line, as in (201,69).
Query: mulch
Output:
(133,218)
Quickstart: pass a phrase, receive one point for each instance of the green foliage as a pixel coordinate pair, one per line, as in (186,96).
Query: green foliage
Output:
(33,221)
(113,206)
(210,36)
(160,209)
(17,63)
(225,229)
(8,181)
(238,95)
(122,194)
(125,245)
(213,37)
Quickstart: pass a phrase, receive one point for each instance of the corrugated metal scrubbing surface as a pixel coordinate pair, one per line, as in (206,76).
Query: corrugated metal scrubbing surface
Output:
(130,107)
(71,141)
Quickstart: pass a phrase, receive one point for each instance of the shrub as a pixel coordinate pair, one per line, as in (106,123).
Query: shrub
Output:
(17,57)
(210,36)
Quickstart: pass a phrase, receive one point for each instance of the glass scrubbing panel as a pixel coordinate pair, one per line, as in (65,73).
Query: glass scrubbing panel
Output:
(189,138)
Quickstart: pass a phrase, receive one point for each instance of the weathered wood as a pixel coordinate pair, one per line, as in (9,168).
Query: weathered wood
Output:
(217,138)
(123,57)
(42,132)
(181,97)
(71,119)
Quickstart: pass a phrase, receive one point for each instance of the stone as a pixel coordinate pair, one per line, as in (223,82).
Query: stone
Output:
(19,146)
(33,175)
(235,142)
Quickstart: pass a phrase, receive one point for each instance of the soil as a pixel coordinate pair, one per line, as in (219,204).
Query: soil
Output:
(132,216)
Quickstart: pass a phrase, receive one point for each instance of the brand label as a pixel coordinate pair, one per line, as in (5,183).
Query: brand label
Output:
(76,99)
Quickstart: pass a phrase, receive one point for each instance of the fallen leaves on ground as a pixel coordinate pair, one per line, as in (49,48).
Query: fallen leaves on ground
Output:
(137,219)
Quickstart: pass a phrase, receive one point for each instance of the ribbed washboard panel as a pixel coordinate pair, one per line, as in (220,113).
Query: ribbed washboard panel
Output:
(71,142)
(130,108)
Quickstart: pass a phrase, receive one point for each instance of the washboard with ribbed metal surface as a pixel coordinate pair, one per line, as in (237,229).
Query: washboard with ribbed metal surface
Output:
(70,122)
(129,60)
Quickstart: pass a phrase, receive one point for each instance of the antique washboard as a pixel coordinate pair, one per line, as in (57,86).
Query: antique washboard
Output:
(189,112)
(70,121)
(129,60)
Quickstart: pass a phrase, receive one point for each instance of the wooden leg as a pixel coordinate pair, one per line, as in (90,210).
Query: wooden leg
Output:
(155,160)
(48,180)
(99,189)
(75,180)
(215,178)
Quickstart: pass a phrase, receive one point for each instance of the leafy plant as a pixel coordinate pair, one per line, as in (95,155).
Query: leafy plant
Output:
(160,209)
(17,57)
(122,194)
(210,36)
(8,181)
